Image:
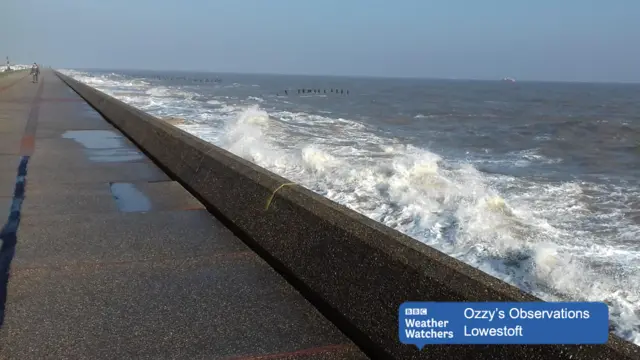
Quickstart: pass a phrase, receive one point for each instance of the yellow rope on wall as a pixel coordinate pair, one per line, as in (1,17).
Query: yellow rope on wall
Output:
(274,194)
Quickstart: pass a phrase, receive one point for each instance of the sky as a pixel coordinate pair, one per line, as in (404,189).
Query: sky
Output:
(567,40)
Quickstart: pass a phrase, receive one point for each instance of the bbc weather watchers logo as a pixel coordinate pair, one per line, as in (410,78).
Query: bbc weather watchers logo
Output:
(415,311)
(569,323)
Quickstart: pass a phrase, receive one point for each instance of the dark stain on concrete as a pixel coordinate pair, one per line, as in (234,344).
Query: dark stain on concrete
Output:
(9,232)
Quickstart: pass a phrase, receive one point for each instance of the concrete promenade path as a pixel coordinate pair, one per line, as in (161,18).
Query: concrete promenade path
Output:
(111,259)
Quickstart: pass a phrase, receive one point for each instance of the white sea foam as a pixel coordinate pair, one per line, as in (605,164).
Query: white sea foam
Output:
(3,67)
(545,238)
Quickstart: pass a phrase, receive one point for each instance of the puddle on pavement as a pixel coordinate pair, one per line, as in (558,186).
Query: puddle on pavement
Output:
(129,198)
(104,145)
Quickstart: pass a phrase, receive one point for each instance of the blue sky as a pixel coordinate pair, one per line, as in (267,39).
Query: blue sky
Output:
(567,40)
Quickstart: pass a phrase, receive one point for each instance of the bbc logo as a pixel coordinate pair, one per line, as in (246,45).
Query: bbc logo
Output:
(415,311)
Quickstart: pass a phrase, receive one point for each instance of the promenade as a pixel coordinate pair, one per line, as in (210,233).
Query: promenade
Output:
(111,259)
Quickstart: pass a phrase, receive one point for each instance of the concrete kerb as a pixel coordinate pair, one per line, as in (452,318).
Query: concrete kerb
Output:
(355,270)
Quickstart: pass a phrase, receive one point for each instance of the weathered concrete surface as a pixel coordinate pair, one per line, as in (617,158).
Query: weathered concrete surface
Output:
(357,270)
(5,74)
(116,261)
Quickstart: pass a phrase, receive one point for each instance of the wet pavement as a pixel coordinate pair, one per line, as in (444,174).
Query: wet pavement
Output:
(110,258)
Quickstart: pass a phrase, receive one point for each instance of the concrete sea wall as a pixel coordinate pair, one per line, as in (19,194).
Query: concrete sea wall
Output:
(355,270)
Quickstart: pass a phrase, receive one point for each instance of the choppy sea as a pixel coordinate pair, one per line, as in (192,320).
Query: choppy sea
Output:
(535,183)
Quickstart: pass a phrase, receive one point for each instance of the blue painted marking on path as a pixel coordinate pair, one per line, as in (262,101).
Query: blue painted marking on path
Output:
(9,233)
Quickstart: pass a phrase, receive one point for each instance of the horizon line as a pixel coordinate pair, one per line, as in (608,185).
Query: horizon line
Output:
(397,77)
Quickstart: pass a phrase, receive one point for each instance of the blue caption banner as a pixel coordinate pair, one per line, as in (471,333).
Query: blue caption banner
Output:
(425,323)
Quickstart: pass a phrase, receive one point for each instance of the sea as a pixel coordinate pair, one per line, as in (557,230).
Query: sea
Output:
(535,183)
